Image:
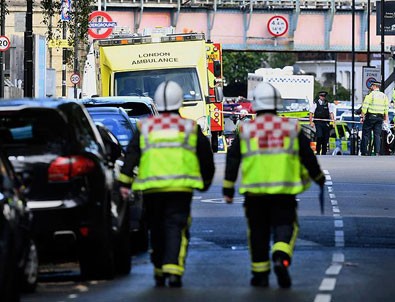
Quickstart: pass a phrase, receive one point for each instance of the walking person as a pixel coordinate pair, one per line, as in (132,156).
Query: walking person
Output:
(321,113)
(374,113)
(244,116)
(276,164)
(173,158)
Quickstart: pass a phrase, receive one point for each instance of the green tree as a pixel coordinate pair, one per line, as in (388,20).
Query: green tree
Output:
(77,27)
(236,65)
(281,59)
(342,93)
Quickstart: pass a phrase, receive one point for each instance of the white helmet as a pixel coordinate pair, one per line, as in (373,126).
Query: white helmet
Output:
(168,96)
(266,97)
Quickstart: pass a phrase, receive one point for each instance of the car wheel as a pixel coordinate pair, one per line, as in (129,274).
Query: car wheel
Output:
(29,272)
(123,259)
(96,254)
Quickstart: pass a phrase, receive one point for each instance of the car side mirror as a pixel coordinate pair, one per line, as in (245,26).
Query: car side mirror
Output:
(112,146)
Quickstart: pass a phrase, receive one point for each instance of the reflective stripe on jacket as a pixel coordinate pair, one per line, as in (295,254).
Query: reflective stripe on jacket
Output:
(375,102)
(270,157)
(168,160)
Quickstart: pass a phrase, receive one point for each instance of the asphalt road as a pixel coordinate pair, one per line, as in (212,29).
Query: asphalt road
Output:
(347,254)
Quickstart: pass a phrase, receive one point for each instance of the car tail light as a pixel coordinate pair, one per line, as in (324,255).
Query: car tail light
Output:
(65,168)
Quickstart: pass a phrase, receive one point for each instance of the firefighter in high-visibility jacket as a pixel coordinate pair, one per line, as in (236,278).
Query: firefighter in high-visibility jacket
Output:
(276,165)
(173,158)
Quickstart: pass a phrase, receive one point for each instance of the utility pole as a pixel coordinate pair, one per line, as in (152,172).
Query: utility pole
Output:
(353,149)
(2,30)
(28,52)
(76,67)
(382,45)
(64,61)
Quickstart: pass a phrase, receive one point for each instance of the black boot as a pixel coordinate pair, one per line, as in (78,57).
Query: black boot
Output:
(260,279)
(175,280)
(160,280)
(281,270)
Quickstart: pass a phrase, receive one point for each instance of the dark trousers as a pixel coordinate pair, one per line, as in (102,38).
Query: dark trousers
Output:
(322,130)
(270,217)
(168,219)
(375,123)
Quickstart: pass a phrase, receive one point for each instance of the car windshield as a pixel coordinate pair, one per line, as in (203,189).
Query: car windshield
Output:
(295,105)
(119,125)
(144,83)
(33,132)
(133,109)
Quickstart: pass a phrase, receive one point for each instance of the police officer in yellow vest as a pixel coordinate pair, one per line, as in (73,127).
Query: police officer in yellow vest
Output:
(374,113)
(173,158)
(276,164)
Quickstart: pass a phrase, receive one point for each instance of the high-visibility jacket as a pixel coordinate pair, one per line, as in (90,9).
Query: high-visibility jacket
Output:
(375,102)
(168,160)
(270,157)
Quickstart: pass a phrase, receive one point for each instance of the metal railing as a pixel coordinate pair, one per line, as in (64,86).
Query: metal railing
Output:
(272,4)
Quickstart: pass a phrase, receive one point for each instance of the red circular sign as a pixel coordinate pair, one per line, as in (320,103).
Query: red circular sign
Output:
(4,43)
(277,26)
(75,78)
(96,18)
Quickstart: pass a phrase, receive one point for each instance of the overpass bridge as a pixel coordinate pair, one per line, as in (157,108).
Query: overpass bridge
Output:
(304,25)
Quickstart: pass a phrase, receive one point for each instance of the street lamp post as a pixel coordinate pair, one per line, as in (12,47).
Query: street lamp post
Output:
(382,44)
(28,51)
(352,141)
(2,30)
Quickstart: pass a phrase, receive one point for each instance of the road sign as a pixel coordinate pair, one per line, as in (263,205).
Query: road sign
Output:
(65,10)
(75,78)
(4,43)
(277,26)
(369,75)
(98,21)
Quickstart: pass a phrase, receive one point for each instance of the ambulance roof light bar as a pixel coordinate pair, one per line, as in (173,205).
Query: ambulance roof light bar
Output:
(183,37)
(126,41)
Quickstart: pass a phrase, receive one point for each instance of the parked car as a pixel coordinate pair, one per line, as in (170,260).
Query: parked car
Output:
(18,253)
(117,121)
(58,150)
(138,228)
(135,106)
(340,142)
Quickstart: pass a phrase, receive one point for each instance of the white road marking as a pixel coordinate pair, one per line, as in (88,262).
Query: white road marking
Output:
(328,284)
(323,298)
(221,200)
(338,223)
(338,258)
(334,269)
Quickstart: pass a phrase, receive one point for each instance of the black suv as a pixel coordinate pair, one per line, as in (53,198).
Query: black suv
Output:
(58,150)
(18,253)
